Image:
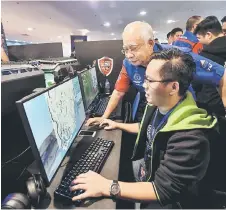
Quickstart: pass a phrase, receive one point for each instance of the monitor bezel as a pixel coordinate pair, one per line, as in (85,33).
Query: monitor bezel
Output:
(82,87)
(30,135)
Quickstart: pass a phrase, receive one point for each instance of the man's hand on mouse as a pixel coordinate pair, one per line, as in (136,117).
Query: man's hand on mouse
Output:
(109,124)
(94,121)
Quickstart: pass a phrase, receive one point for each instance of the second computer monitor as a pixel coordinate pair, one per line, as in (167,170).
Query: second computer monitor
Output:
(52,120)
(89,84)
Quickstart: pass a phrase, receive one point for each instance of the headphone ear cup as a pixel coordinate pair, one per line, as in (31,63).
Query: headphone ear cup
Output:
(16,201)
(41,186)
(32,191)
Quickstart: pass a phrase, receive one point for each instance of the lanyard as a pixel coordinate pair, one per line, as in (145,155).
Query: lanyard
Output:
(164,119)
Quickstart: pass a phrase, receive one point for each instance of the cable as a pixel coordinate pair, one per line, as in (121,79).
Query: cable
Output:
(15,157)
(21,173)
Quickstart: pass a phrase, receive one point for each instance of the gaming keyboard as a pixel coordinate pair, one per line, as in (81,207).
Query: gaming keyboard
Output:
(102,106)
(93,159)
(98,107)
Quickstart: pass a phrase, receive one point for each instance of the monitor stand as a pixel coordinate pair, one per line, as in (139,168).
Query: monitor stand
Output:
(33,168)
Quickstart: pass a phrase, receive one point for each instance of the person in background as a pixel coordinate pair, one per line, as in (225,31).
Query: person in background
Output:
(138,46)
(209,33)
(188,39)
(157,40)
(176,33)
(173,143)
(169,38)
(224,25)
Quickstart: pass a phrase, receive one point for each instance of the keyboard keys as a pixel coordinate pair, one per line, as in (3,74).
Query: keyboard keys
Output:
(92,159)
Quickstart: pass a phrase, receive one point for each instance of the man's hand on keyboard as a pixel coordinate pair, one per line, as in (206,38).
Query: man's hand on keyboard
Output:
(93,184)
(94,121)
(110,124)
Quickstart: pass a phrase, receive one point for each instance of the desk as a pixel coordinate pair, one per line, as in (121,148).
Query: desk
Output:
(110,169)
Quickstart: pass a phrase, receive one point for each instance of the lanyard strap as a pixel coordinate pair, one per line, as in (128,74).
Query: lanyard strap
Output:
(163,120)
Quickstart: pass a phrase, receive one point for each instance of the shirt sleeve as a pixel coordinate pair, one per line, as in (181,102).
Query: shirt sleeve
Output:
(123,81)
(207,71)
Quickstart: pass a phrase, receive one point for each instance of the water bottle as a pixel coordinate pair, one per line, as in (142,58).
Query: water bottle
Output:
(107,87)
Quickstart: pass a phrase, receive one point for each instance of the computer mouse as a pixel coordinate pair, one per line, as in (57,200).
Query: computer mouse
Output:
(97,127)
(94,124)
(93,127)
(103,125)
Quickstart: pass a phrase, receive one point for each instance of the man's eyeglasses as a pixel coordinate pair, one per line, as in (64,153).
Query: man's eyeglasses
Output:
(150,81)
(132,48)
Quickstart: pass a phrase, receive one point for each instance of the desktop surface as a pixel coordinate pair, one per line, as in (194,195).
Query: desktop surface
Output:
(110,169)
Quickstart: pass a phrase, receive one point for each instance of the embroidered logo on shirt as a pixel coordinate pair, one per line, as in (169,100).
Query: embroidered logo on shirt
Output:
(206,65)
(137,78)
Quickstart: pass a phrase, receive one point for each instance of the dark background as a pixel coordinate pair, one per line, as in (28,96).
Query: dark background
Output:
(35,51)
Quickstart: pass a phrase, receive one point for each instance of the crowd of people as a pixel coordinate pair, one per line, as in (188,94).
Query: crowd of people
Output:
(179,154)
(178,157)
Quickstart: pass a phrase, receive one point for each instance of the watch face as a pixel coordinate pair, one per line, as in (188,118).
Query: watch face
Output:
(115,189)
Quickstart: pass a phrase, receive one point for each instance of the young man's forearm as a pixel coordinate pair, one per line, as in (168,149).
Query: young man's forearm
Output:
(113,103)
(129,127)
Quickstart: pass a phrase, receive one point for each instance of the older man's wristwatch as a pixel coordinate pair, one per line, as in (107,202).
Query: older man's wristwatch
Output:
(115,189)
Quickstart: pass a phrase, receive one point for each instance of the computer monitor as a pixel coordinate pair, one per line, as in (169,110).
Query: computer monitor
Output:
(52,119)
(89,85)
(35,51)
(13,137)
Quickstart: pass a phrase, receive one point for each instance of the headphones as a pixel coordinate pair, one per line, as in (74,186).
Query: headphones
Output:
(36,191)
(63,73)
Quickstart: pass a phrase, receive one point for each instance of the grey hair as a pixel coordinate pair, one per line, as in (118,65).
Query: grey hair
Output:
(143,28)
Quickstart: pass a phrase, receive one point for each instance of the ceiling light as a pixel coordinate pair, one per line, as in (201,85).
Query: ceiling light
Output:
(112,34)
(71,33)
(155,32)
(170,21)
(84,31)
(16,40)
(143,13)
(31,42)
(59,37)
(107,24)
(6,39)
(114,39)
(30,29)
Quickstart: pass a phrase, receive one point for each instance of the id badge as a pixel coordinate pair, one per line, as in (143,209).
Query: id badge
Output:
(142,173)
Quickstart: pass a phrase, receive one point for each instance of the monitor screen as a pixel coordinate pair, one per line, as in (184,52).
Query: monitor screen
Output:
(90,85)
(53,119)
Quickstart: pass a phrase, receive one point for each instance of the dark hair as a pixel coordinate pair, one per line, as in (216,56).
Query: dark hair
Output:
(168,35)
(178,67)
(156,39)
(223,19)
(191,22)
(175,30)
(209,24)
